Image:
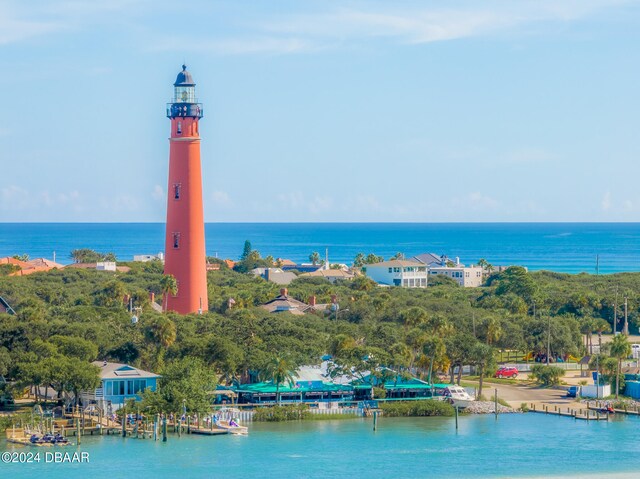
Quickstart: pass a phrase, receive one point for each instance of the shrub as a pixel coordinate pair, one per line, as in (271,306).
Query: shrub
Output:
(289,412)
(417,408)
(547,375)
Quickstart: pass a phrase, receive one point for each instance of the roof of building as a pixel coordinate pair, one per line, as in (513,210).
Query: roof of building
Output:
(395,263)
(429,259)
(121,371)
(330,273)
(45,263)
(285,303)
(184,78)
(285,262)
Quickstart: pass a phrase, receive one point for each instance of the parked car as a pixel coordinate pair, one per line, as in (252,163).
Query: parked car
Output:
(507,372)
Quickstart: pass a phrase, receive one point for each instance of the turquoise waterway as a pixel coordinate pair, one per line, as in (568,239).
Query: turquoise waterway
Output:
(517,445)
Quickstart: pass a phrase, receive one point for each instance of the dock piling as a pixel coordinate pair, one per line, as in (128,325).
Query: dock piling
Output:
(164,429)
(456,418)
(496,402)
(375,420)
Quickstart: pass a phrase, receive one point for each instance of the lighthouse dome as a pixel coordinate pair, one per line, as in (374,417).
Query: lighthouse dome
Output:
(184,78)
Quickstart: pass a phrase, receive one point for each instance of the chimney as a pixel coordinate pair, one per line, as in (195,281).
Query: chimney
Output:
(283,292)
(152,297)
(312,300)
(457,260)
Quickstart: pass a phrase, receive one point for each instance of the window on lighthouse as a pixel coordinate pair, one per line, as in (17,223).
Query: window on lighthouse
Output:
(176,191)
(179,128)
(176,240)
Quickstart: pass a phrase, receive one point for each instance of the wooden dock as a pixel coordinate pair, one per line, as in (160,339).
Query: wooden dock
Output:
(578,414)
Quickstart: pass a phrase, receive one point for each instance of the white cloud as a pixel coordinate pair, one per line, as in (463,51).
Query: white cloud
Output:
(158,193)
(221,198)
(410,24)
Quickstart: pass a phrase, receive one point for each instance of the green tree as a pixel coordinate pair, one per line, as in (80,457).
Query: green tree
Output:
(314,257)
(279,370)
(246,251)
(359,260)
(185,382)
(161,332)
(547,375)
(482,357)
(620,349)
(168,286)
(76,347)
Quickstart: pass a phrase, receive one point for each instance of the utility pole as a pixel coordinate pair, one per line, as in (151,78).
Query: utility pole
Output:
(615,313)
(548,340)
(625,330)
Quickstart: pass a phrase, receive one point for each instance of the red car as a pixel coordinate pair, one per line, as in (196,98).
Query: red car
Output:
(505,372)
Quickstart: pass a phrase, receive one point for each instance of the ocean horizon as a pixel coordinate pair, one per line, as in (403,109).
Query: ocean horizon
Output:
(558,246)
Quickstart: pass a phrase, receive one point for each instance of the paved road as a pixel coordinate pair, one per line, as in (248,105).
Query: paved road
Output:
(516,394)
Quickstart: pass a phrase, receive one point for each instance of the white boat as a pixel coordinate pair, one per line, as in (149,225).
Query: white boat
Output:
(227,419)
(458,396)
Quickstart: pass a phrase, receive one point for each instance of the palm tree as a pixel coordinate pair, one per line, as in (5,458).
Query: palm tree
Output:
(161,331)
(493,329)
(600,326)
(314,258)
(279,370)
(620,349)
(169,286)
(413,317)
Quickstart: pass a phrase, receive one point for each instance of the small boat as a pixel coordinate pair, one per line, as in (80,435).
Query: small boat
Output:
(227,419)
(458,396)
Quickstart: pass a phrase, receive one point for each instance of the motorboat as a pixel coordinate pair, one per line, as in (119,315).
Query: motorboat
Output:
(458,396)
(227,418)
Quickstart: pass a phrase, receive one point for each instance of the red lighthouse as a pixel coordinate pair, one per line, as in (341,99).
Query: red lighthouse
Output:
(184,240)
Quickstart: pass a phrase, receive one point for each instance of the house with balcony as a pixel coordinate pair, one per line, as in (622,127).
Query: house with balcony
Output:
(466,276)
(119,383)
(398,272)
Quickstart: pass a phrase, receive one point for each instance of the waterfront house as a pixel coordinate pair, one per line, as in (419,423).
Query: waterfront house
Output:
(119,383)
(398,272)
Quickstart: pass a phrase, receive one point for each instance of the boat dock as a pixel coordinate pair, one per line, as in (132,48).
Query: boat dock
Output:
(578,414)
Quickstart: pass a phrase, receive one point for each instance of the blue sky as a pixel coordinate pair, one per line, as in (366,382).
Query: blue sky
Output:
(325,110)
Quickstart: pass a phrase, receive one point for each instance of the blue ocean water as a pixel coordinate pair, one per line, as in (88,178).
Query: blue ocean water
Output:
(513,446)
(563,247)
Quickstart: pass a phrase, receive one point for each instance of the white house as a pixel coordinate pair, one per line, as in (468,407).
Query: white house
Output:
(106,266)
(469,277)
(398,272)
